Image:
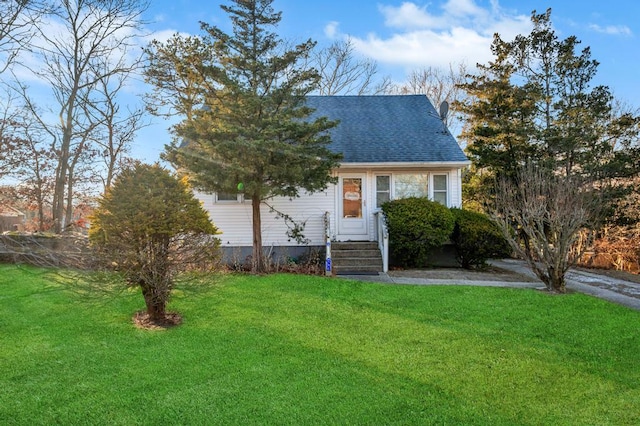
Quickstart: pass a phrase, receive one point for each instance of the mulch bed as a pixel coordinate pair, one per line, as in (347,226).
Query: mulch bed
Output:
(142,320)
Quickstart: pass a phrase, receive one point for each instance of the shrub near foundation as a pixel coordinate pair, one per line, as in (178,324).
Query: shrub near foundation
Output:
(476,239)
(416,227)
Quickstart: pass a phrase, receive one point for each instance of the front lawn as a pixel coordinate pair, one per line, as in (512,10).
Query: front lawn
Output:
(289,349)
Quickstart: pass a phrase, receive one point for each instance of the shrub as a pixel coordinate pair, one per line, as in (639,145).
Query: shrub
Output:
(150,228)
(476,238)
(416,226)
(616,247)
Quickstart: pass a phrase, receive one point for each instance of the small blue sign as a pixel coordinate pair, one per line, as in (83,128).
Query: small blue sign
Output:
(328,264)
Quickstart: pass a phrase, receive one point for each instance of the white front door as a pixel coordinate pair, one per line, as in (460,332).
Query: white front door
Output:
(352,207)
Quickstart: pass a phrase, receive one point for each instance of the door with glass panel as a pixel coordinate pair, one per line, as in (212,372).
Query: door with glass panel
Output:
(352,207)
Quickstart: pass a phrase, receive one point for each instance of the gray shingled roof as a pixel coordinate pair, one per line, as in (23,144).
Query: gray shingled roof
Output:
(389,129)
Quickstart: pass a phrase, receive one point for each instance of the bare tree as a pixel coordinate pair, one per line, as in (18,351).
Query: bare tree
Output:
(343,73)
(17,21)
(25,160)
(117,125)
(542,215)
(80,35)
(438,85)
(10,143)
(35,172)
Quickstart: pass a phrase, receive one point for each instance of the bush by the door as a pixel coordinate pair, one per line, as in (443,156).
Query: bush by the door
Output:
(476,239)
(416,227)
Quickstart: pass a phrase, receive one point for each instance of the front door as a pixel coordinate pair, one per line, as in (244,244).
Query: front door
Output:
(352,208)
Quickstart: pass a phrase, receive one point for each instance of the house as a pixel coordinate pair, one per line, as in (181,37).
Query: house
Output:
(392,146)
(11,219)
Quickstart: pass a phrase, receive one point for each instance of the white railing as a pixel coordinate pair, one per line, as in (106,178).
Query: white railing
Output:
(327,237)
(383,240)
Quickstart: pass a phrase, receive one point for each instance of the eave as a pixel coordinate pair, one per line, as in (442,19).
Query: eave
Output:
(407,165)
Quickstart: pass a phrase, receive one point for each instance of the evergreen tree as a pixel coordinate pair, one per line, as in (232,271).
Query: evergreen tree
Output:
(149,227)
(552,142)
(499,132)
(535,103)
(252,133)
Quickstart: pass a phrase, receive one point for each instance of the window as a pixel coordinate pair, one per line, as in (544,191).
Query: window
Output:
(440,189)
(226,197)
(413,185)
(383,190)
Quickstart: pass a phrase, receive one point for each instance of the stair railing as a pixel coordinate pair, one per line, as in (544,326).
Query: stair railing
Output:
(328,269)
(383,239)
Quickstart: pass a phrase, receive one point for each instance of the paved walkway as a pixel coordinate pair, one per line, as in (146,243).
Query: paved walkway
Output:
(615,290)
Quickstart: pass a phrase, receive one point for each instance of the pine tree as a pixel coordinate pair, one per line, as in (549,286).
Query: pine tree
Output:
(536,103)
(252,133)
(499,132)
(551,141)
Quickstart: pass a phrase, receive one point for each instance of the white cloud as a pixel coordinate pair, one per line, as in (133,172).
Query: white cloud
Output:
(612,29)
(162,36)
(425,48)
(331,29)
(159,18)
(464,8)
(409,16)
(458,31)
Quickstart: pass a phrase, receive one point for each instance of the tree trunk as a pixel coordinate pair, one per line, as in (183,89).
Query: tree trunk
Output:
(68,213)
(156,304)
(62,170)
(40,204)
(257,261)
(57,209)
(556,280)
(40,214)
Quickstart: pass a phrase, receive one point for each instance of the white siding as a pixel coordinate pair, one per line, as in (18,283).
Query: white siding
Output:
(234,220)
(455,187)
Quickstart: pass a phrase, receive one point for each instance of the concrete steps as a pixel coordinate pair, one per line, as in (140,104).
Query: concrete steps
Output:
(355,257)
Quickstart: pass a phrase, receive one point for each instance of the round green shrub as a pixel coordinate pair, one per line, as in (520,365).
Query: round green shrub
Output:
(416,226)
(476,239)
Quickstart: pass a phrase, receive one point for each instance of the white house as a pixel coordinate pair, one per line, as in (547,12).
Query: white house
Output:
(392,146)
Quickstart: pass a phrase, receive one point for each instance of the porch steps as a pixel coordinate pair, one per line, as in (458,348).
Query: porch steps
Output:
(355,257)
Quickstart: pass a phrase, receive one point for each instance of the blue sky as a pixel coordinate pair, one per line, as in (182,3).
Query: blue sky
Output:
(407,35)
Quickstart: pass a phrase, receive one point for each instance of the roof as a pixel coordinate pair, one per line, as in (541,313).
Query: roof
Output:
(8,211)
(387,129)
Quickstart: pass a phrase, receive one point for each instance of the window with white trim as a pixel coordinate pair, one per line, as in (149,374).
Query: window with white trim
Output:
(440,192)
(383,189)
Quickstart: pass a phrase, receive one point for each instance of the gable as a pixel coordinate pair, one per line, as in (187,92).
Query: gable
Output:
(387,129)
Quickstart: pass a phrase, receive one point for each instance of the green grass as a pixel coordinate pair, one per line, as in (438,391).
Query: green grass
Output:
(288,349)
